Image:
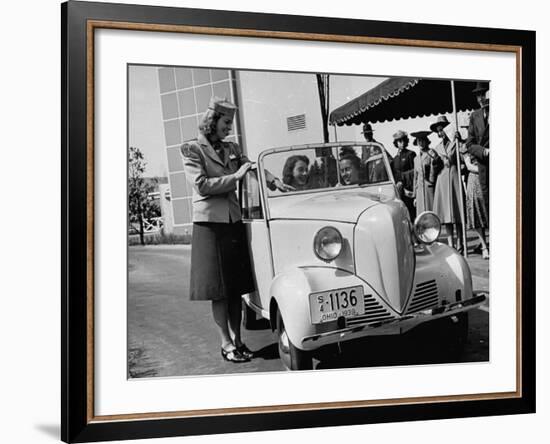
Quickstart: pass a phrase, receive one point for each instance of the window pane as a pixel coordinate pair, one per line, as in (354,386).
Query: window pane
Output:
(219,74)
(203,94)
(172,132)
(179,186)
(175,161)
(167,79)
(169,106)
(201,76)
(223,90)
(182,212)
(187,102)
(184,78)
(189,128)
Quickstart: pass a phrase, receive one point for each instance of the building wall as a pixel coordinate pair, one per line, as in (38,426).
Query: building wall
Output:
(268,99)
(185,94)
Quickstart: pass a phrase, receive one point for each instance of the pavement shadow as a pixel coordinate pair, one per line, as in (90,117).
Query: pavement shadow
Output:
(268,352)
(259,324)
(417,347)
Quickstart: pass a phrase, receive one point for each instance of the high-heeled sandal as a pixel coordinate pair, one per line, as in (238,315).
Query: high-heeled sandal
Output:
(233,356)
(245,351)
(485,253)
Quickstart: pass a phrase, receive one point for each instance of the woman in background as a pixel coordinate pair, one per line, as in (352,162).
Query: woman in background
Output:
(426,167)
(403,170)
(447,201)
(476,209)
(375,167)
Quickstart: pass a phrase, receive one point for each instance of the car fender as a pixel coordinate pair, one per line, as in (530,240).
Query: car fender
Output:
(290,292)
(449,268)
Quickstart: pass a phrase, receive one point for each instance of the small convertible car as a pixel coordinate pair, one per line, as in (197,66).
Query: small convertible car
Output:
(337,258)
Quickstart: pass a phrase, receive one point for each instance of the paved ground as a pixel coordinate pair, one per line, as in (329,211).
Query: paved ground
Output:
(168,335)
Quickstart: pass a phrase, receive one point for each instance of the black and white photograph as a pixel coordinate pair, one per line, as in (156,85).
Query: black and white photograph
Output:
(283,221)
(243,222)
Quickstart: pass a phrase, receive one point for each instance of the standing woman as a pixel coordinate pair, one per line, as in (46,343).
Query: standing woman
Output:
(447,202)
(476,209)
(426,167)
(220,261)
(403,170)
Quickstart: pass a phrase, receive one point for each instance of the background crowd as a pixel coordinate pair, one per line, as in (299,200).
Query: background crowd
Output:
(431,180)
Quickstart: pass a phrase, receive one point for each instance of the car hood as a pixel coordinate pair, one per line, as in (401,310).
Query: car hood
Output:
(384,255)
(336,205)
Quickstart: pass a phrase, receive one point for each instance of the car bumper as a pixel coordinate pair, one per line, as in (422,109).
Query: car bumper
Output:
(393,326)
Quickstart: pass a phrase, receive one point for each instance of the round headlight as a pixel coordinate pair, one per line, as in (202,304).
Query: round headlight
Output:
(427,227)
(327,243)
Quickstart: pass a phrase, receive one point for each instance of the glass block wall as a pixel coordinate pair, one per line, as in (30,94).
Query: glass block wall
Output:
(185,94)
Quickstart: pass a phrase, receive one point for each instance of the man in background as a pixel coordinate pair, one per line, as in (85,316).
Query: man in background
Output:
(477,142)
(372,158)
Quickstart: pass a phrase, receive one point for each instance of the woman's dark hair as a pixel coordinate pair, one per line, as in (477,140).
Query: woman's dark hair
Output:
(208,122)
(289,167)
(405,138)
(346,150)
(355,161)
(353,158)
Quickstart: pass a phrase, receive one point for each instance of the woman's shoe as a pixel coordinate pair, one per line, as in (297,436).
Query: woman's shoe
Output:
(233,356)
(485,253)
(245,351)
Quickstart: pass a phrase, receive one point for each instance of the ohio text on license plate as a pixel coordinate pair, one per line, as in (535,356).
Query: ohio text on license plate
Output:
(328,306)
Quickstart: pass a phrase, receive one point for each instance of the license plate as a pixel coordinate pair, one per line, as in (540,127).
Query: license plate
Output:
(328,306)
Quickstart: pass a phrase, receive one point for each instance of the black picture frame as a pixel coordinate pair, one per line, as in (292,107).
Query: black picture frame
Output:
(78,423)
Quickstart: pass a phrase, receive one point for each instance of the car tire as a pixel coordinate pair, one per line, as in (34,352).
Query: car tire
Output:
(292,357)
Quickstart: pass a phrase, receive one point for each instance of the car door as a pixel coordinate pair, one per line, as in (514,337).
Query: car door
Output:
(253,216)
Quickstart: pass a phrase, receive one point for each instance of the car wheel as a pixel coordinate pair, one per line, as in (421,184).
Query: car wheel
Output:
(293,358)
(249,317)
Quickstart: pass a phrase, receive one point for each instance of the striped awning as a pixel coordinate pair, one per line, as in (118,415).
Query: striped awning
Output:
(405,97)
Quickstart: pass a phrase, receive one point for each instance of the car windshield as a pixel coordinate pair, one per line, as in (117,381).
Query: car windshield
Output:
(328,166)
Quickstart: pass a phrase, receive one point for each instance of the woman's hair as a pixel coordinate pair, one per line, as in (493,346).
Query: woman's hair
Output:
(346,149)
(355,161)
(427,140)
(352,157)
(208,122)
(405,138)
(288,177)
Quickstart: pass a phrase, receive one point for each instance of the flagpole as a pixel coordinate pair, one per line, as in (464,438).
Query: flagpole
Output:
(464,238)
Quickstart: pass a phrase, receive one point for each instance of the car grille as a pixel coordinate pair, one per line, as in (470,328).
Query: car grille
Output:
(374,312)
(425,296)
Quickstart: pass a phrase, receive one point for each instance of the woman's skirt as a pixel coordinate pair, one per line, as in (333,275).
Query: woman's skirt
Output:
(477,211)
(447,203)
(220,262)
(424,197)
